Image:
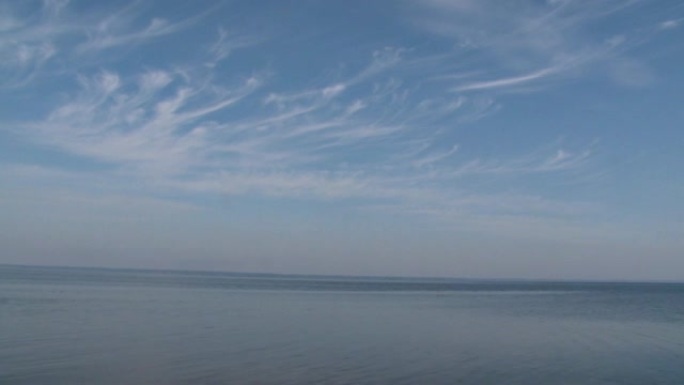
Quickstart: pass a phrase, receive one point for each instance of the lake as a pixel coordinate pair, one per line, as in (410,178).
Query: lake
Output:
(106,326)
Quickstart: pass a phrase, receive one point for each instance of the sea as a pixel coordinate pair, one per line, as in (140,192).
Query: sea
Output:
(109,326)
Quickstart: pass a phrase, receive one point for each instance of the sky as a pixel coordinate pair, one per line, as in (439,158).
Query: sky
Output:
(450,138)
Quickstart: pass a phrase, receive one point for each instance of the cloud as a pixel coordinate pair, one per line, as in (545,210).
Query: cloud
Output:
(631,73)
(506,82)
(32,37)
(178,132)
(375,130)
(226,44)
(107,35)
(670,24)
(25,48)
(146,124)
(533,42)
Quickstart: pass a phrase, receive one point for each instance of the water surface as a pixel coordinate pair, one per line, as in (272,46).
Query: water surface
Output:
(97,326)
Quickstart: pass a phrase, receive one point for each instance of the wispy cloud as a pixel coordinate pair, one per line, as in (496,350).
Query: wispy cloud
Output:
(157,122)
(184,134)
(27,43)
(115,32)
(506,82)
(227,43)
(671,24)
(30,37)
(376,129)
(534,42)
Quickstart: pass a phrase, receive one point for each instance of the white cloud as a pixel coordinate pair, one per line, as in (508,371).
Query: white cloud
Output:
(506,82)
(333,90)
(671,24)
(155,80)
(189,128)
(226,44)
(631,73)
(56,31)
(530,42)
(173,139)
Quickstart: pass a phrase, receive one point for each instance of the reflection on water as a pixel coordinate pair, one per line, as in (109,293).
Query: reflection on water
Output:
(69,326)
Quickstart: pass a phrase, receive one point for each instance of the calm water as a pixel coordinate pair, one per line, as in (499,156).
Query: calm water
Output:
(88,326)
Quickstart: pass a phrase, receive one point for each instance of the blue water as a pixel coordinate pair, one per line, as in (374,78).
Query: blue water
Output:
(96,326)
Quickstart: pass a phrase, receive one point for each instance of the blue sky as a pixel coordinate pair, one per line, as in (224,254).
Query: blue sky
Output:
(530,139)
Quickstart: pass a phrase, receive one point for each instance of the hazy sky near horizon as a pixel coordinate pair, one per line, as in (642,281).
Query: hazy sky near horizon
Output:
(469,138)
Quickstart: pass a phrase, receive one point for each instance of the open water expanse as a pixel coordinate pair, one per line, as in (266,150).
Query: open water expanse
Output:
(96,326)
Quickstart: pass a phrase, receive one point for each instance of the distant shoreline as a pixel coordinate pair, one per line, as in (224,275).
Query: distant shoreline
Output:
(332,277)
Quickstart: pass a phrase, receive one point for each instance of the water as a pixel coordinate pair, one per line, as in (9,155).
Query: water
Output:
(90,326)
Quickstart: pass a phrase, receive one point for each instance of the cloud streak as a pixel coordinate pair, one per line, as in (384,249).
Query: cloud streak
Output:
(54,32)
(531,42)
(374,129)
